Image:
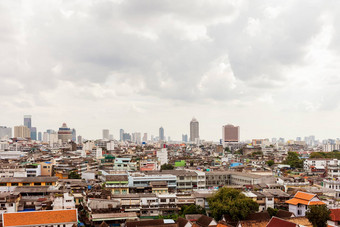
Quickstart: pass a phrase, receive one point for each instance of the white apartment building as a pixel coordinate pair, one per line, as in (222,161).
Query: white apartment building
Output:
(319,162)
(65,202)
(162,156)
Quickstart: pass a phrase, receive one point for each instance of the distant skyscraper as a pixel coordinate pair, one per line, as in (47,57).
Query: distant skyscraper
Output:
(5,132)
(74,135)
(33,133)
(121,134)
(136,137)
(80,139)
(64,133)
(230,133)
(161,134)
(145,137)
(50,131)
(126,137)
(194,130)
(106,134)
(28,121)
(298,138)
(184,138)
(22,131)
(39,136)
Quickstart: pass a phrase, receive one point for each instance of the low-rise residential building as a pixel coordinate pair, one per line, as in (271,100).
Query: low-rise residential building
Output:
(64,202)
(299,204)
(7,183)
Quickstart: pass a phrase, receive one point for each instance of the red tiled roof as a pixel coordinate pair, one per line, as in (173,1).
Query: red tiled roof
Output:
(335,214)
(40,218)
(278,222)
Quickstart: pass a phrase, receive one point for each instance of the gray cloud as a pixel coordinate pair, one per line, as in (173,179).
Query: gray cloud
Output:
(236,53)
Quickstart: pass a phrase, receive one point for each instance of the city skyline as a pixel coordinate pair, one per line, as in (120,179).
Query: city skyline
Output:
(139,75)
(133,133)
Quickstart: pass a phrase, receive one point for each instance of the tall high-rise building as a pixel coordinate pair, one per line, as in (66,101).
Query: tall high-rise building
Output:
(145,137)
(28,121)
(80,139)
(136,137)
(5,132)
(230,134)
(184,138)
(64,133)
(74,135)
(194,130)
(33,133)
(50,131)
(39,136)
(121,134)
(161,134)
(22,131)
(106,134)
(126,137)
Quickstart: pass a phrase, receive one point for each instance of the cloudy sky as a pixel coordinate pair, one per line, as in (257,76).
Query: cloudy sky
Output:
(271,67)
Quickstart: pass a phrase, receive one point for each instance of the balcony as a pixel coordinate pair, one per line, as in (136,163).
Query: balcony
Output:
(116,185)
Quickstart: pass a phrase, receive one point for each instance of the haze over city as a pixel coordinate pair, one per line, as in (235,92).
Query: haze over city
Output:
(264,66)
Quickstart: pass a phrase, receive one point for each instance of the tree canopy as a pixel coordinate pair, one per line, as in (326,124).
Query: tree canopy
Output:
(193,209)
(270,162)
(293,160)
(232,202)
(167,167)
(318,215)
(334,155)
(73,175)
(272,211)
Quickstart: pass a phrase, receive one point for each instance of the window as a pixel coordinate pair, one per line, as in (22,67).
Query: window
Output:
(68,201)
(172,200)
(163,200)
(3,184)
(48,183)
(14,184)
(37,183)
(45,167)
(26,184)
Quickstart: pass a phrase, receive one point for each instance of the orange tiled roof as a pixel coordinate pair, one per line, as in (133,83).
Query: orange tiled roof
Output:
(316,203)
(40,218)
(295,201)
(304,198)
(304,195)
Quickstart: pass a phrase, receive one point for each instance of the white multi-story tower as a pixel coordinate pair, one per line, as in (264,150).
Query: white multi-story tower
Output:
(106,134)
(194,130)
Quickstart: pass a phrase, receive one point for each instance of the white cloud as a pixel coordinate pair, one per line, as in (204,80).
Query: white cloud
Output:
(138,65)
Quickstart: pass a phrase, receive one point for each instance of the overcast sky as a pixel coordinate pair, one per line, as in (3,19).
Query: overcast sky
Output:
(271,67)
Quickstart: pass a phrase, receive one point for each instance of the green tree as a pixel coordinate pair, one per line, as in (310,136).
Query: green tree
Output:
(293,160)
(232,202)
(167,167)
(270,162)
(318,215)
(193,209)
(170,216)
(73,175)
(272,212)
